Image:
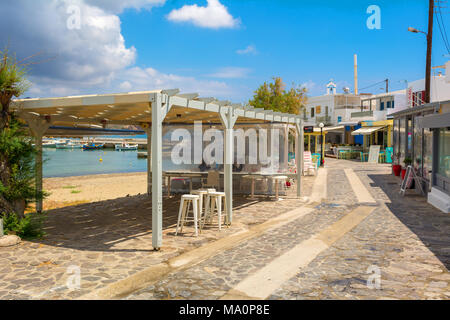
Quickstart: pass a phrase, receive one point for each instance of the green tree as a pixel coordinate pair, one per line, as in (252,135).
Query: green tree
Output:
(17,184)
(274,96)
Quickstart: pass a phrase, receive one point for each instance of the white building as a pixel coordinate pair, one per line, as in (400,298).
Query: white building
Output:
(332,108)
(379,107)
(440,89)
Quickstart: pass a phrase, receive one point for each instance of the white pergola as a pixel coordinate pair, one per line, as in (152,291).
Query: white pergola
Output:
(149,110)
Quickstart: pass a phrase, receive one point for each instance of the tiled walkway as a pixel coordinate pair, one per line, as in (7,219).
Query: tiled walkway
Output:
(111,240)
(400,251)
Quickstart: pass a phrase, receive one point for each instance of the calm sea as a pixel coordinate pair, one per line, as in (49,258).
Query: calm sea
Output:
(64,163)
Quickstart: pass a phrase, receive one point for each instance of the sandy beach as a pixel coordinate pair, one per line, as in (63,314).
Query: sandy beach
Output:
(68,191)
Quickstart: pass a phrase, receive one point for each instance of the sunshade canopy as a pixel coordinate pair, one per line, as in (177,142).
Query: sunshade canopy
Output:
(150,110)
(365,131)
(332,129)
(136,108)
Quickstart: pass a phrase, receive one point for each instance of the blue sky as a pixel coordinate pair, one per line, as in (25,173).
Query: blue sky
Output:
(301,41)
(306,42)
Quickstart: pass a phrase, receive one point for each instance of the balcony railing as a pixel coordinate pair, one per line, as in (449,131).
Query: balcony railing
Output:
(362,114)
(324,119)
(348,106)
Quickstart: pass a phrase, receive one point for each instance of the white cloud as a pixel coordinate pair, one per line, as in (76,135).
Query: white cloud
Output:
(125,86)
(310,85)
(251,49)
(92,59)
(215,15)
(89,55)
(137,79)
(231,73)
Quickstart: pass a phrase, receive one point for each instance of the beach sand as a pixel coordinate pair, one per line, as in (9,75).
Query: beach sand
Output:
(69,191)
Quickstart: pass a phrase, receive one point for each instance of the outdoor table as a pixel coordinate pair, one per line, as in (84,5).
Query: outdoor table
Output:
(263,175)
(278,178)
(252,175)
(182,175)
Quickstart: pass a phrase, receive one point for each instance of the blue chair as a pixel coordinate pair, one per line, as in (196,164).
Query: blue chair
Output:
(317,156)
(364,156)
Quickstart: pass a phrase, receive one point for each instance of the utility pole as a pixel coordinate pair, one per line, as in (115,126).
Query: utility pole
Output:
(429,49)
(387,85)
(355,68)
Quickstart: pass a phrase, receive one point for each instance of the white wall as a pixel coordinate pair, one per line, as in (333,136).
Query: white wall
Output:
(400,103)
(344,113)
(440,88)
(323,101)
(447,72)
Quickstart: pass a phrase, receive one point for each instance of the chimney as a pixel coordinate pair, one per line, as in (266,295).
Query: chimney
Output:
(356,74)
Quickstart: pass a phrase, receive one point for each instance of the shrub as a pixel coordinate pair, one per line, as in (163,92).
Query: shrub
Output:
(29,227)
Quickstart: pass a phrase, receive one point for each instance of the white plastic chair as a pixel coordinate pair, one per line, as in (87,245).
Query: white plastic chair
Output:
(308,164)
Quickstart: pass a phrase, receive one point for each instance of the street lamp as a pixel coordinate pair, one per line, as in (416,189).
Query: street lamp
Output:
(414,30)
(429,36)
(322,160)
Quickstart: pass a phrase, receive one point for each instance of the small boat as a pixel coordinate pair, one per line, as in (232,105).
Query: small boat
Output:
(92,146)
(69,145)
(126,147)
(49,144)
(53,143)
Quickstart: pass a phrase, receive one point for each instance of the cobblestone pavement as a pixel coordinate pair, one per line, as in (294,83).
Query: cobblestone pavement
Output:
(110,241)
(405,241)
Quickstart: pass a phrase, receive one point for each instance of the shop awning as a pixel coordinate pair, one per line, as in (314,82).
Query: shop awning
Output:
(331,129)
(434,121)
(365,131)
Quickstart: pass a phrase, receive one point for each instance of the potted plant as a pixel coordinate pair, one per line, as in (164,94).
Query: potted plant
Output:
(397,168)
(407,162)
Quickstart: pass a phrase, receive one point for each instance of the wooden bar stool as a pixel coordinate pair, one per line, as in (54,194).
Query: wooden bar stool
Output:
(183,214)
(214,206)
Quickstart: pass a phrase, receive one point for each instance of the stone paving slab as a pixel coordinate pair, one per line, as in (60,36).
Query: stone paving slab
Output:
(405,239)
(212,278)
(111,240)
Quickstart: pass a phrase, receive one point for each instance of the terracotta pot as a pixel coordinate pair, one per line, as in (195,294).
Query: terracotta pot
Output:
(397,169)
(403,173)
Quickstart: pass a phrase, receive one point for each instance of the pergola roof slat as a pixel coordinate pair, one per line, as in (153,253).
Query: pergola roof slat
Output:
(136,107)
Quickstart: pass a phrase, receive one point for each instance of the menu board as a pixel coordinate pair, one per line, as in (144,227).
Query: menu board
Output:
(407,181)
(374,154)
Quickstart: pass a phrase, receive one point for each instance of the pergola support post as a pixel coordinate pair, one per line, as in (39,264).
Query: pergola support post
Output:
(148,131)
(228,119)
(156,161)
(299,156)
(286,146)
(38,127)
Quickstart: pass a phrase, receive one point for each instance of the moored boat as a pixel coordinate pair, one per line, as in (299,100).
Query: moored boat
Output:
(126,147)
(53,143)
(92,146)
(49,144)
(69,145)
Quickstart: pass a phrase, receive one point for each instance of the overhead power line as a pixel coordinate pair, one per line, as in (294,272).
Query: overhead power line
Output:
(373,85)
(441,25)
